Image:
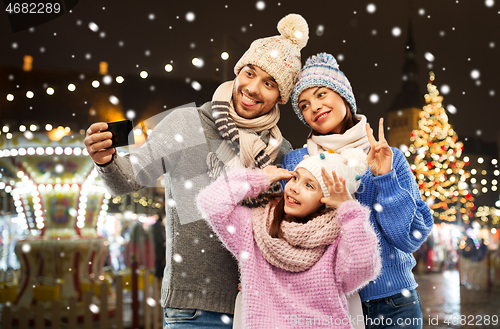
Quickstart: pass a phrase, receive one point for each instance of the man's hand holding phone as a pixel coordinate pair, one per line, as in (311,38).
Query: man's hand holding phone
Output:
(102,139)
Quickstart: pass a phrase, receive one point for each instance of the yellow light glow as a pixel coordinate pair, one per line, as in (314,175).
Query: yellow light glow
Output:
(57,134)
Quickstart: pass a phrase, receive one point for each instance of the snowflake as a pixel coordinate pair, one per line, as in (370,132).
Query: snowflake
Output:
(396,31)
(177,258)
(224,318)
(244,255)
(93,27)
(26,248)
(151,302)
(231,229)
(188,184)
(190,16)
(178,138)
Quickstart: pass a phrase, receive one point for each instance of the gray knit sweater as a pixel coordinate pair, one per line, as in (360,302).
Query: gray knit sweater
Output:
(200,273)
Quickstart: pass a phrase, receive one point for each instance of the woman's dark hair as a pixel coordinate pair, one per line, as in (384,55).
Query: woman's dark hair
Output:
(349,119)
(278,201)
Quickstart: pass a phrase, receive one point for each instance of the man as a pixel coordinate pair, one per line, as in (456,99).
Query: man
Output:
(190,146)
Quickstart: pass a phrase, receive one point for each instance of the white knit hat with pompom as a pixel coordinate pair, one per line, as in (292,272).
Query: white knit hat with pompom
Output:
(351,164)
(279,56)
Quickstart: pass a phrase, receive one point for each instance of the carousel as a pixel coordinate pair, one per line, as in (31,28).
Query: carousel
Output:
(59,202)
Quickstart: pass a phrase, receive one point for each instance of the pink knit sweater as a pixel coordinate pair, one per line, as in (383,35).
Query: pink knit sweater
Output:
(275,298)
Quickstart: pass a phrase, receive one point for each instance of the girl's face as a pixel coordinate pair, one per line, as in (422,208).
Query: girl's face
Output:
(302,194)
(323,109)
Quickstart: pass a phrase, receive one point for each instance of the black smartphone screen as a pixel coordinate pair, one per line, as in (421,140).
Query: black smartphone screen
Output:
(122,133)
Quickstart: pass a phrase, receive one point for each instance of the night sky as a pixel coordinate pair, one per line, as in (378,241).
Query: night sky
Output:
(458,40)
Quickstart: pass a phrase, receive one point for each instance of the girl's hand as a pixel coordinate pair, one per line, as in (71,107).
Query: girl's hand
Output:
(275,174)
(336,187)
(380,156)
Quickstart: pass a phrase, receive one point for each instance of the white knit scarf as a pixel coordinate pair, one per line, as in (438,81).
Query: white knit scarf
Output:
(247,142)
(353,137)
(303,244)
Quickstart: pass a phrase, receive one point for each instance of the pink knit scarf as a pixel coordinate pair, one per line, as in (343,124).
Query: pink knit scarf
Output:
(303,244)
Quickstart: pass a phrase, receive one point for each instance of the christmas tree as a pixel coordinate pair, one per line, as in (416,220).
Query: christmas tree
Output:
(436,153)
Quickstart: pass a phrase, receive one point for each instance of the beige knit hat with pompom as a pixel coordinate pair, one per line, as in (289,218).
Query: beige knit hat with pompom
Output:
(279,56)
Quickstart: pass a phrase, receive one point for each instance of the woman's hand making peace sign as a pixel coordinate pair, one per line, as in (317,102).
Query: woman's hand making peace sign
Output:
(380,156)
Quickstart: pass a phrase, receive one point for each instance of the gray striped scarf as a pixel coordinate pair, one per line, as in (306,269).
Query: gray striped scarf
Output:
(246,142)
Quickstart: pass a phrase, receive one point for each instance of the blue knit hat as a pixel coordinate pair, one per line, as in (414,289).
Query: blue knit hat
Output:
(322,70)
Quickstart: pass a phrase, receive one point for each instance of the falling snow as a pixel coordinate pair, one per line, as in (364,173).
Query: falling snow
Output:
(428,56)
(371,8)
(226,319)
(451,108)
(114,100)
(244,255)
(474,74)
(178,138)
(320,30)
(93,27)
(94,308)
(231,229)
(190,16)
(26,248)
(177,258)
(130,114)
(188,184)
(196,85)
(107,79)
(151,302)
(445,89)
(396,31)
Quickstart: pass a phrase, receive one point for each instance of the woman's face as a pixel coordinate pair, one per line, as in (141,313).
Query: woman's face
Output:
(302,194)
(323,109)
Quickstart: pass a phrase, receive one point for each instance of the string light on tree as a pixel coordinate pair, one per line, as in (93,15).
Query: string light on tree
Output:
(437,162)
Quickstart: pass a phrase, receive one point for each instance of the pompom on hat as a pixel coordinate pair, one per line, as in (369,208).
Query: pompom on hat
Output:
(279,56)
(351,164)
(322,70)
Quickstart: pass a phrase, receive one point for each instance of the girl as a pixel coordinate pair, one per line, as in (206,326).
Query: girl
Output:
(323,100)
(309,247)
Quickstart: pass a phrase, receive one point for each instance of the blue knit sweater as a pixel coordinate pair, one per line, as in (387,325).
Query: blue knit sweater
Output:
(400,218)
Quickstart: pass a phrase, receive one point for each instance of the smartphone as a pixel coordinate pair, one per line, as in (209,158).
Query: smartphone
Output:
(122,133)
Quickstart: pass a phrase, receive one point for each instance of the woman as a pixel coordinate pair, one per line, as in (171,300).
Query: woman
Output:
(324,101)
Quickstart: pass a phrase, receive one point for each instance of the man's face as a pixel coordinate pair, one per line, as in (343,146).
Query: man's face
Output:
(255,92)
